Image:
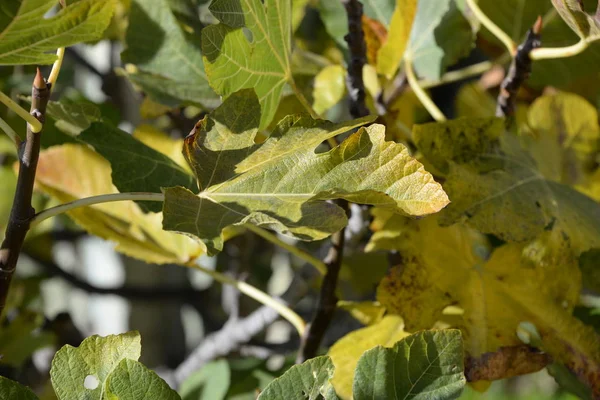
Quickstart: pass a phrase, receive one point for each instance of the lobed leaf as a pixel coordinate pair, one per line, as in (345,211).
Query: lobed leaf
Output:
(96,357)
(496,187)
(495,291)
(169,63)
(282,183)
(425,365)
(307,381)
(234,62)
(26,36)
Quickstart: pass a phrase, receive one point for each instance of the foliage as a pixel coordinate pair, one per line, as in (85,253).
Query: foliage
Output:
(461,247)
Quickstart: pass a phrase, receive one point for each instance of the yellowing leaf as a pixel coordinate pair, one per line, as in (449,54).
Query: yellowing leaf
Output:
(375,35)
(346,351)
(26,36)
(71,172)
(564,136)
(496,187)
(329,88)
(537,282)
(282,184)
(390,54)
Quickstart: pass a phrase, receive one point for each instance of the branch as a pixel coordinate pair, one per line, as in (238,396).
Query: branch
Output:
(22,211)
(358,58)
(235,333)
(519,71)
(326,304)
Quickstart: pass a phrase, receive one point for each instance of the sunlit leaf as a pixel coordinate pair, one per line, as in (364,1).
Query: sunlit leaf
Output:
(307,381)
(169,64)
(497,289)
(96,357)
(346,351)
(440,36)
(425,365)
(234,62)
(210,382)
(282,183)
(71,172)
(131,380)
(26,36)
(390,54)
(135,166)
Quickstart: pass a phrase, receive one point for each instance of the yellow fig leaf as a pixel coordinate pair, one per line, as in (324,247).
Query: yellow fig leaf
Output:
(498,289)
(329,88)
(390,53)
(346,351)
(375,35)
(71,172)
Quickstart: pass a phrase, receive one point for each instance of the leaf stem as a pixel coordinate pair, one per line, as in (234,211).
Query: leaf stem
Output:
(88,201)
(420,93)
(315,262)
(9,131)
(36,126)
(257,295)
(544,53)
(510,45)
(453,76)
(60,54)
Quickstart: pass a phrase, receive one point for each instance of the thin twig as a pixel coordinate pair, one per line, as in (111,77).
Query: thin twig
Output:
(326,304)
(423,97)
(519,71)
(492,27)
(22,211)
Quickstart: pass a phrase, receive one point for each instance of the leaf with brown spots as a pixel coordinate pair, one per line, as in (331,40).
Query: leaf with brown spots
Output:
(494,290)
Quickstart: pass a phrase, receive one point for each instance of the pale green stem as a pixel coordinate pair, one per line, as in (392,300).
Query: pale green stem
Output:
(88,201)
(315,262)
(60,54)
(257,295)
(420,93)
(9,131)
(453,76)
(544,53)
(36,126)
(492,27)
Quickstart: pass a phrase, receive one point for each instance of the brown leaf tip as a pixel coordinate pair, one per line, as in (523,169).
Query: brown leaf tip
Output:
(39,82)
(537,26)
